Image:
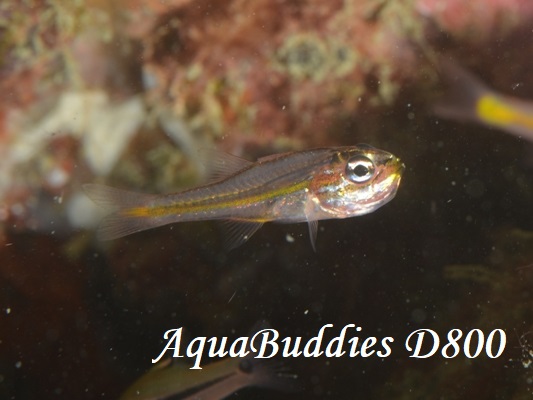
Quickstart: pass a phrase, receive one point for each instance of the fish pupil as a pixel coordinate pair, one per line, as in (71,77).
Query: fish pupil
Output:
(361,170)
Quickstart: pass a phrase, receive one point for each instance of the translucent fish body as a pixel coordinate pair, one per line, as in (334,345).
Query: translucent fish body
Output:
(305,186)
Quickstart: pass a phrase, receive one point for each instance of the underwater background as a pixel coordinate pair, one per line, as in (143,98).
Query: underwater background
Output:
(125,92)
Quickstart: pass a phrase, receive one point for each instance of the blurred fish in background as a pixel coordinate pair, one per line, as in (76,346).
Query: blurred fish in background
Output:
(213,382)
(469,99)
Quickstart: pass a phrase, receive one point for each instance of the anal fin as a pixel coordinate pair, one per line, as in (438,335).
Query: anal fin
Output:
(236,232)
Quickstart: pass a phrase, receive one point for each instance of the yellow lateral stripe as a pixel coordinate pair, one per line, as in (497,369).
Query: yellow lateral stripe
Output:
(182,209)
(138,212)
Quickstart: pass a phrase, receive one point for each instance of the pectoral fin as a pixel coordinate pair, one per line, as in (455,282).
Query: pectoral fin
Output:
(312,222)
(236,232)
(313,229)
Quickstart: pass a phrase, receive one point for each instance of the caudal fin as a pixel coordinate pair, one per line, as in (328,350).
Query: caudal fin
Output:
(463,91)
(123,220)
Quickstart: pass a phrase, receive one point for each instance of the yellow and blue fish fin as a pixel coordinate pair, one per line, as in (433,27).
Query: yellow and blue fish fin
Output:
(236,232)
(130,211)
(221,165)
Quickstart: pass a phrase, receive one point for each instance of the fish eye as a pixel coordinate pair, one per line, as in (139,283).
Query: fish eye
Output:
(360,169)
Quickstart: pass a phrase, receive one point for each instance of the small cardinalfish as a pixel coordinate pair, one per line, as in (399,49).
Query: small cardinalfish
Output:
(305,186)
(469,99)
(216,381)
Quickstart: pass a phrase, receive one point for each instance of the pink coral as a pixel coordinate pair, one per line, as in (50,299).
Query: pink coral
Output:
(237,68)
(478,18)
(269,74)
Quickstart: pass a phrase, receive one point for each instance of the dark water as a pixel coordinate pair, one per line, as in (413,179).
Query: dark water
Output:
(452,250)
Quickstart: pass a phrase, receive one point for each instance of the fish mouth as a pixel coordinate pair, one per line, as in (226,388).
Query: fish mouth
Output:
(392,170)
(391,175)
(402,167)
(395,164)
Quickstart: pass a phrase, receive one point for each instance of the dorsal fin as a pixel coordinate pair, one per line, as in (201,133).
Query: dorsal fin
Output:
(220,164)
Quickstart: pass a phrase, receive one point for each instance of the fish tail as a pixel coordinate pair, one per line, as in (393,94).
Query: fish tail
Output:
(461,98)
(131,211)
